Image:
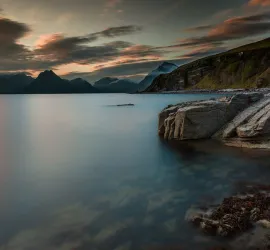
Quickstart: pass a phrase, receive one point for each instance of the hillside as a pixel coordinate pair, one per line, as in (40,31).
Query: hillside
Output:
(244,67)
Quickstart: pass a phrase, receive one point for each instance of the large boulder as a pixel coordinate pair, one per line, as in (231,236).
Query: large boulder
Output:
(202,119)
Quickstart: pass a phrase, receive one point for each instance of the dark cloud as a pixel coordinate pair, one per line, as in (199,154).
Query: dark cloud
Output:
(10,32)
(56,49)
(233,29)
(64,50)
(119,31)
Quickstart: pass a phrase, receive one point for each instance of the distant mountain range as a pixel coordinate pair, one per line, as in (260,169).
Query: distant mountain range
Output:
(48,82)
(115,85)
(14,84)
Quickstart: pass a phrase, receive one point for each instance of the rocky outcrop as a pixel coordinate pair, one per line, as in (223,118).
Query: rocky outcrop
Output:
(234,215)
(244,67)
(241,120)
(230,129)
(259,125)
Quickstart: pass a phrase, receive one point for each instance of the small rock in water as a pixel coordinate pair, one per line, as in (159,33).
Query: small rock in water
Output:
(122,105)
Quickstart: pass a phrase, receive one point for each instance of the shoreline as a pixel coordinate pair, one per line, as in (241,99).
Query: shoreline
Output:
(210,91)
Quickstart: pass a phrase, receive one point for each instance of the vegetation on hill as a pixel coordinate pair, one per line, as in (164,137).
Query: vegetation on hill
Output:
(245,67)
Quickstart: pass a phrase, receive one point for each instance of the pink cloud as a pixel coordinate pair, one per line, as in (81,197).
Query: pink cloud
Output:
(43,40)
(259,3)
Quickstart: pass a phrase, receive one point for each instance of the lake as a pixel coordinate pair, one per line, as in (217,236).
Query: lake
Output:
(77,173)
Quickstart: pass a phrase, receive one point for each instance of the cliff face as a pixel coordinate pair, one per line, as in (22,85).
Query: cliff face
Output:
(244,67)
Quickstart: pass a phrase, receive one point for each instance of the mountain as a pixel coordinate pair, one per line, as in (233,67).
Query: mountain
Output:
(49,83)
(245,67)
(164,68)
(14,83)
(104,82)
(82,86)
(114,85)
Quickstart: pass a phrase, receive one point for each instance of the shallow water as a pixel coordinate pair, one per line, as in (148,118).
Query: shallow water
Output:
(77,173)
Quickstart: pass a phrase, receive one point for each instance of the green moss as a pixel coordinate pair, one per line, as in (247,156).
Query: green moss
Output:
(206,83)
(249,67)
(233,67)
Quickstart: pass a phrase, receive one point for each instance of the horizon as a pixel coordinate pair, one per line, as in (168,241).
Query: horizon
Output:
(123,40)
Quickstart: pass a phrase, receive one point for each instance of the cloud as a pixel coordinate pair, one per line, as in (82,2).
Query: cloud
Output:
(59,45)
(199,28)
(53,50)
(119,31)
(10,33)
(231,29)
(259,2)
(65,50)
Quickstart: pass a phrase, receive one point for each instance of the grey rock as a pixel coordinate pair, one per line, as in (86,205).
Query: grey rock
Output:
(202,119)
(230,129)
(258,125)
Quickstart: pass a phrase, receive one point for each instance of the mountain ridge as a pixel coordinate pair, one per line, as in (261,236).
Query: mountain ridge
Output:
(164,68)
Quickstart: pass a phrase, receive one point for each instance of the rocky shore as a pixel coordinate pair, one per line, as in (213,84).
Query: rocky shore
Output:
(241,120)
(243,219)
(219,91)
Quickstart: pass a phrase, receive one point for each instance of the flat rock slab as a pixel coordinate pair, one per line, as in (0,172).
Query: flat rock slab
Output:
(258,125)
(202,119)
(230,129)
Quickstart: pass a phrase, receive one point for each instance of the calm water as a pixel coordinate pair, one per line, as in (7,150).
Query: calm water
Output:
(79,174)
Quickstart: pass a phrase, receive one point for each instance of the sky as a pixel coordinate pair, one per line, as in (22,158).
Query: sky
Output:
(122,38)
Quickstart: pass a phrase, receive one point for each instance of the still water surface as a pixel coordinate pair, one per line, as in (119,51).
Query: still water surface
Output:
(79,174)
